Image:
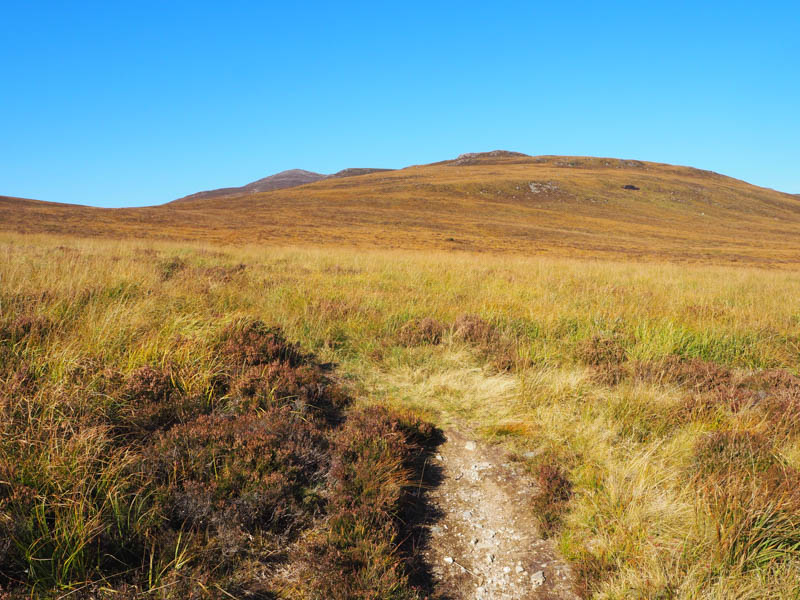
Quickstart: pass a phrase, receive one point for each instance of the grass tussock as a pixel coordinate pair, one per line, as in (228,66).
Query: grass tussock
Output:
(421,331)
(751,499)
(501,351)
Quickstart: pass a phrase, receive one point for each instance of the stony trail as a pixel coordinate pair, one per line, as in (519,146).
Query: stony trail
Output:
(485,543)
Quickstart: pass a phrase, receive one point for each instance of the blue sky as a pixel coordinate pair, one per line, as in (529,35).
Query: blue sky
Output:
(136,103)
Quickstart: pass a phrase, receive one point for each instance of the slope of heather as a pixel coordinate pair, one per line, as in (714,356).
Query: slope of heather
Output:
(251,480)
(489,202)
(284,179)
(279,181)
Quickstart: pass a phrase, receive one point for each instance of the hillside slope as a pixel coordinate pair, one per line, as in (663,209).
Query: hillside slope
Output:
(490,202)
(284,179)
(278,181)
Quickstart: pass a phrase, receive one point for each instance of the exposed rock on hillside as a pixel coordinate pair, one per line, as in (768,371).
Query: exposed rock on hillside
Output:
(471,158)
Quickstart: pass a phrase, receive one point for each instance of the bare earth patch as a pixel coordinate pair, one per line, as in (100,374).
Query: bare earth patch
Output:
(487,543)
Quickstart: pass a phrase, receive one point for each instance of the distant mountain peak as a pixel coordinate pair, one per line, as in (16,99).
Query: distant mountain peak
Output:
(279,181)
(284,179)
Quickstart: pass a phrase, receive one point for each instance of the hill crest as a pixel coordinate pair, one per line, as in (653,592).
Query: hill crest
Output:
(279,181)
(480,202)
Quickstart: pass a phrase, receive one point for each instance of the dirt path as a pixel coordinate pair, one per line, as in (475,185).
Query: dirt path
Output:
(486,543)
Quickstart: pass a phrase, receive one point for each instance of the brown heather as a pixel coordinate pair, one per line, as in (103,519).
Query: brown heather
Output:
(173,494)
(500,350)
(555,490)
(421,331)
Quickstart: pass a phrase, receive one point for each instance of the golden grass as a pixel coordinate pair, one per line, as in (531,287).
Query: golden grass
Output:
(641,521)
(557,206)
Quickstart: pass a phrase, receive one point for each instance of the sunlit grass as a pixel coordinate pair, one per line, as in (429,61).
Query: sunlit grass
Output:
(641,521)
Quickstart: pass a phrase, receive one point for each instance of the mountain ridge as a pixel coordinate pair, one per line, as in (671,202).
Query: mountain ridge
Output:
(278,181)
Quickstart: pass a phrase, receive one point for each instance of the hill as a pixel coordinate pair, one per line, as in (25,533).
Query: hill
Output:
(279,181)
(284,179)
(482,202)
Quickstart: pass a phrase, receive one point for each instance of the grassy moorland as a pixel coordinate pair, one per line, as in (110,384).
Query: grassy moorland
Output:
(171,424)
(515,204)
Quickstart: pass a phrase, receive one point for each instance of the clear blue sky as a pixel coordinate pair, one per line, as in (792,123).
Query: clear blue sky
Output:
(135,103)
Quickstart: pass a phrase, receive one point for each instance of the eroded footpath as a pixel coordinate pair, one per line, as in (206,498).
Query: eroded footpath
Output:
(485,543)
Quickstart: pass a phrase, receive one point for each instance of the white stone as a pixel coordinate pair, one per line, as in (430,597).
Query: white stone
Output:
(448,560)
(470,445)
(538,578)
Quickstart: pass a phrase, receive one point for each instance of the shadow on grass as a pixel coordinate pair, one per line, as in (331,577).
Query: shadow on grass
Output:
(420,514)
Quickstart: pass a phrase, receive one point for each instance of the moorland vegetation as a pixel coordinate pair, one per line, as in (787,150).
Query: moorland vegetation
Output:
(184,419)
